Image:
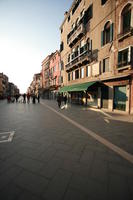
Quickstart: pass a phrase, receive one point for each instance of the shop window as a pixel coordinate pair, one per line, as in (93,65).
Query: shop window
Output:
(107,34)
(126,18)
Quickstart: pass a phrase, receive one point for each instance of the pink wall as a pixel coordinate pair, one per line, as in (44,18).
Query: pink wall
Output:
(55,63)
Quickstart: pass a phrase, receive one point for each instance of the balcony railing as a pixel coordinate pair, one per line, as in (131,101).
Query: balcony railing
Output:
(125,33)
(83,54)
(77,32)
(123,64)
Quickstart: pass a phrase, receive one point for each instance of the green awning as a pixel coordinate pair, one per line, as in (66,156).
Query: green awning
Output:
(77,87)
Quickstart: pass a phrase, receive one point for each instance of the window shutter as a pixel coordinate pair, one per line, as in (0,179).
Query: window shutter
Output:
(101,66)
(111,32)
(102,35)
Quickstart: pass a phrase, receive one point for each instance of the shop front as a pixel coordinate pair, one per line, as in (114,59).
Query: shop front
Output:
(82,94)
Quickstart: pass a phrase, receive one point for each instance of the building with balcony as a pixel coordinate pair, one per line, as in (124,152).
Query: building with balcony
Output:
(97,53)
(55,74)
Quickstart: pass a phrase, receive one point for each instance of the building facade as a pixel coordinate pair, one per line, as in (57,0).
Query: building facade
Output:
(54,74)
(97,53)
(3,86)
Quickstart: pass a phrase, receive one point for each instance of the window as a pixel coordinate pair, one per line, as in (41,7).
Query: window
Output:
(88,71)
(68,58)
(88,14)
(105,65)
(61,46)
(61,79)
(125,57)
(126,18)
(81,14)
(73,75)
(76,6)
(68,19)
(77,74)
(82,73)
(62,65)
(107,34)
(62,30)
(103,2)
(69,76)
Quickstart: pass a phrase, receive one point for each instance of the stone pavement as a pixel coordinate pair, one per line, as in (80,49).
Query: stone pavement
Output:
(50,159)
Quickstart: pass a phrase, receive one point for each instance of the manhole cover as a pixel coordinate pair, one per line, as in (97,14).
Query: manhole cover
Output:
(6,136)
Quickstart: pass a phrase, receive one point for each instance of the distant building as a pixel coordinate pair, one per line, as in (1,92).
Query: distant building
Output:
(3,86)
(54,74)
(12,89)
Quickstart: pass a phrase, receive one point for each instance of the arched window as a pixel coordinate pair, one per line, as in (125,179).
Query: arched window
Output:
(126,18)
(107,33)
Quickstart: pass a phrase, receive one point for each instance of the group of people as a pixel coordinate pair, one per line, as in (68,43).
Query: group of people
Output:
(33,96)
(25,98)
(60,99)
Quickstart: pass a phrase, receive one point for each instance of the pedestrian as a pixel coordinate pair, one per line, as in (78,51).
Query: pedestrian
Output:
(34,99)
(28,98)
(38,98)
(65,99)
(59,100)
(24,98)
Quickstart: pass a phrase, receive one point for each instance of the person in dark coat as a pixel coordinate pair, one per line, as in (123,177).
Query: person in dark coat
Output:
(65,99)
(59,100)
(34,99)
(24,98)
(38,98)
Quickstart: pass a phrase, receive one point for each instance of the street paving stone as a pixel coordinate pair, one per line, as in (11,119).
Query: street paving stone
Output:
(50,159)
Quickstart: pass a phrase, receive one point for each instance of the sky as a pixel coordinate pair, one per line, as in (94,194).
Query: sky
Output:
(29,31)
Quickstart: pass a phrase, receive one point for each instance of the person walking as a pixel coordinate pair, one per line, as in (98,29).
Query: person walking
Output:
(28,98)
(34,99)
(24,98)
(38,98)
(65,100)
(59,100)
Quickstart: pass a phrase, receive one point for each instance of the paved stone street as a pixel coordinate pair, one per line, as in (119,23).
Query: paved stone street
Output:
(50,158)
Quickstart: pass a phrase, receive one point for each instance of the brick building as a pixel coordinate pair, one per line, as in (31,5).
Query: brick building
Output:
(97,53)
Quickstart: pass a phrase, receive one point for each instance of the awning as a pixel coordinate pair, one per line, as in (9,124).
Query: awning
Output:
(77,87)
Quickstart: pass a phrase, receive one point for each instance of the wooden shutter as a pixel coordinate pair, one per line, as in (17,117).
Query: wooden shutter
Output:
(111,32)
(102,38)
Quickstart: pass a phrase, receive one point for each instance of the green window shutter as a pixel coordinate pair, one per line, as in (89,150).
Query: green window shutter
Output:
(102,35)
(111,32)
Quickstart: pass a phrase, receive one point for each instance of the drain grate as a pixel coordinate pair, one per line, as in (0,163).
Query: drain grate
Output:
(6,136)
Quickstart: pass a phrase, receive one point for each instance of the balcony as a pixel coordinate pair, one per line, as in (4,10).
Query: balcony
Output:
(123,65)
(82,57)
(76,34)
(125,33)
